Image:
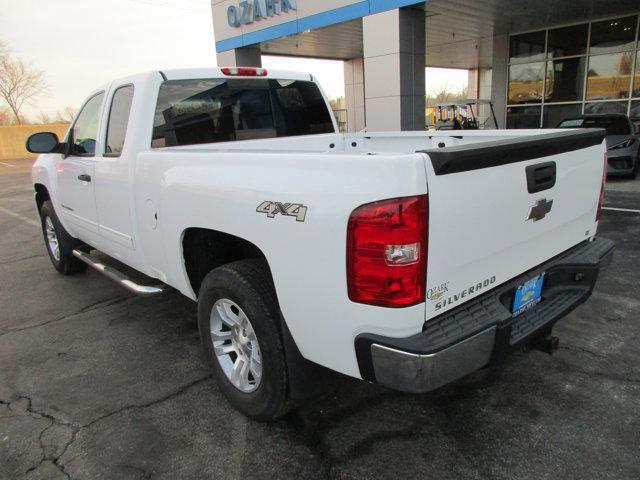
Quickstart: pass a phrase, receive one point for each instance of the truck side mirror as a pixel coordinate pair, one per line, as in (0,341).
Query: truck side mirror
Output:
(43,142)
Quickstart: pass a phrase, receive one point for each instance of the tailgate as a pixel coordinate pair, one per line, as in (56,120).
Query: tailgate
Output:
(485,227)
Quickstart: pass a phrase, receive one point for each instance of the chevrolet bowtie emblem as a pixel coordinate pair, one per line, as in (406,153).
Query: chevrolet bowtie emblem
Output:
(540,209)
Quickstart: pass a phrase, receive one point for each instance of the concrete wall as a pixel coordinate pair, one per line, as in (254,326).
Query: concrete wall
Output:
(13,138)
(240,57)
(394,73)
(354,93)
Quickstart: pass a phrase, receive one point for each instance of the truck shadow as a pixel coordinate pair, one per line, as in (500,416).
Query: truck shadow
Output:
(356,420)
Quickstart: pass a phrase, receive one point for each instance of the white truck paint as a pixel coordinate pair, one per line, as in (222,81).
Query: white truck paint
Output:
(139,204)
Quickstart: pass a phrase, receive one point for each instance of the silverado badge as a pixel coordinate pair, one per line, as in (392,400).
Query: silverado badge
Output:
(540,209)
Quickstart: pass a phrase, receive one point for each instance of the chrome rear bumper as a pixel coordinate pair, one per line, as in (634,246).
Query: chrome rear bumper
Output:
(483,330)
(421,373)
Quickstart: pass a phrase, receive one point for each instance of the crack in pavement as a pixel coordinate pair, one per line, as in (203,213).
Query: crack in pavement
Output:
(598,373)
(145,475)
(54,459)
(76,428)
(581,349)
(313,430)
(94,306)
(167,397)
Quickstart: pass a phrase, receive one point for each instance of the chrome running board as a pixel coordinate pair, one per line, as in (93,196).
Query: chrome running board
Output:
(117,276)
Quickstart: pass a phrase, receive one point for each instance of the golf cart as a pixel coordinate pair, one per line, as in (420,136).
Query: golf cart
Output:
(459,115)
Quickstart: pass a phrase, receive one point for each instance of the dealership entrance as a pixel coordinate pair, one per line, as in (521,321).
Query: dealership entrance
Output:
(538,62)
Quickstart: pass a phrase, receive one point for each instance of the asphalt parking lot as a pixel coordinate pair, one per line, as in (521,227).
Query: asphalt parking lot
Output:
(98,384)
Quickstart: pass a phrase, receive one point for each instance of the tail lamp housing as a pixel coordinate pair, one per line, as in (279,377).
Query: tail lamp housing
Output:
(604,179)
(387,252)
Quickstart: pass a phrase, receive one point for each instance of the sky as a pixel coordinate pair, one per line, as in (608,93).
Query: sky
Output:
(83,44)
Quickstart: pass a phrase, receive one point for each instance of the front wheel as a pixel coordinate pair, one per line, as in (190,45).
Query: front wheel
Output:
(59,243)
(240,332)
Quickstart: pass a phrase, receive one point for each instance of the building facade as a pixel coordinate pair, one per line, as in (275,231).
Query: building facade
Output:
(537,61)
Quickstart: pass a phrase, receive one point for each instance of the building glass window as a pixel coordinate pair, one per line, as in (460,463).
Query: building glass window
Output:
(613,35)
(525,82)
(554,114)
(568,41)
(634,114)
(527,47)
(590,68)
(565,80)
(523,117)
(609,76)
(606,107)
(636,81)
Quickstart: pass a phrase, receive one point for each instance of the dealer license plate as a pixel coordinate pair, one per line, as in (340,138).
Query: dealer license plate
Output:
(527,295)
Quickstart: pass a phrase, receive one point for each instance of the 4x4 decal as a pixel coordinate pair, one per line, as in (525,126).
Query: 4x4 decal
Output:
(287,209)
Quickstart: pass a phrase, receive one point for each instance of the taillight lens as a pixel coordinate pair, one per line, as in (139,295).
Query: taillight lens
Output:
(244,71)
(387,252)
(604,179)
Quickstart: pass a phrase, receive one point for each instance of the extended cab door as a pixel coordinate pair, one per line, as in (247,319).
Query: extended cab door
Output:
(76,170)
(112,176)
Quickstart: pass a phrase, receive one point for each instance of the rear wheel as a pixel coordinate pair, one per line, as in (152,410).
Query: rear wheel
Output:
(59,243)
(240,333)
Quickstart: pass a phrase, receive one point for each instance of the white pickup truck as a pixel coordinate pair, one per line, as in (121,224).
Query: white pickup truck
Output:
(409,259)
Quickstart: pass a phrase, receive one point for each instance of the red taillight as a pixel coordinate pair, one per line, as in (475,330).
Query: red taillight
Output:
(604,179)
(244,71)
(387,252)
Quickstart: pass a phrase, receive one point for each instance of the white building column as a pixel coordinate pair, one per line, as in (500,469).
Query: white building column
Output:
(240,57)
(354,93)
(499,80)
(394,69)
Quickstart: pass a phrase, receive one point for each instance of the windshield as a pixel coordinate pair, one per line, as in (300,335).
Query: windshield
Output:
(613,125)
(189,112)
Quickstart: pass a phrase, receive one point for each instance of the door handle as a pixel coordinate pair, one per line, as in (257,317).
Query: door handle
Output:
(84,177)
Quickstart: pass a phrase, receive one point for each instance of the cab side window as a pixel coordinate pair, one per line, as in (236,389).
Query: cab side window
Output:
(85,130)
(118,121)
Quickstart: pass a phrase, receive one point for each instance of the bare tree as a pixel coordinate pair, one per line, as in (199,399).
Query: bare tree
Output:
(44,118)
(5,117)
(20,82)
(445,92)
(66,115)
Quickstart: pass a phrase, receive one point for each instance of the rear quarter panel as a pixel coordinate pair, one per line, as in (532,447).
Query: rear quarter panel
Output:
(221,191)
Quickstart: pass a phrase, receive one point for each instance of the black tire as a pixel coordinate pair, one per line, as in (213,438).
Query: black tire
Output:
(66,264)
(248,284)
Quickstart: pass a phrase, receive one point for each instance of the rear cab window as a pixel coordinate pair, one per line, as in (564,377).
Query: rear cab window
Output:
(118,120)
(190,112)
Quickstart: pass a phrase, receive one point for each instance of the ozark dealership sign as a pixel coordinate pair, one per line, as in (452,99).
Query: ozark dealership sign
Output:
(249,11)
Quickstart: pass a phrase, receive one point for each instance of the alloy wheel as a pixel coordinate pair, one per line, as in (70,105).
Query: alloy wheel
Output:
(52,238)
(235,345)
